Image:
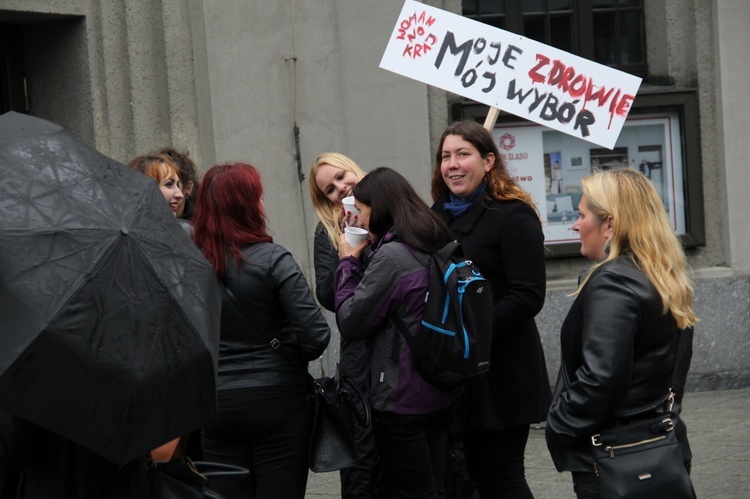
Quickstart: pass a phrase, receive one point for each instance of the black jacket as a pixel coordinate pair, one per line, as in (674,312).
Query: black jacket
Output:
(505,240)
(352,354)
(326,260)
(273,292)
(618,351)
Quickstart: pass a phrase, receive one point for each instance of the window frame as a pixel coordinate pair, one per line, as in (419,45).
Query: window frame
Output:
(582,41)
(685,103)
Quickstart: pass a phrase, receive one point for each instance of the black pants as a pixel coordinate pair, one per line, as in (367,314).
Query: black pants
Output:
(364,480)
(496,462)
(413,449)
(266,431)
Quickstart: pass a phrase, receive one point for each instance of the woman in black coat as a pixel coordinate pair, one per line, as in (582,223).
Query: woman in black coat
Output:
(497,224)
(627,339)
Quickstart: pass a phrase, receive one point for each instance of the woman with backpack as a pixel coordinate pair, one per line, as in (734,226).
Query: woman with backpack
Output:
(332,179)
(374,300)
(497,224)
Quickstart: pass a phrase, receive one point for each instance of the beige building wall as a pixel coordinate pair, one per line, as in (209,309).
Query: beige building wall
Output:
(732,84)
(275,83)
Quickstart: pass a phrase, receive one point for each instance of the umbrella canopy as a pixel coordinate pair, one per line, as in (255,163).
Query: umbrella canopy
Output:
(109,314)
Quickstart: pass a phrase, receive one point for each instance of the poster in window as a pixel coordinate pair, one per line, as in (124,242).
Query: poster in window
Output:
(550,165)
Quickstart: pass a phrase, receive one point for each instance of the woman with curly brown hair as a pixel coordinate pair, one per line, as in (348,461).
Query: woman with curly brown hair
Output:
(499,228)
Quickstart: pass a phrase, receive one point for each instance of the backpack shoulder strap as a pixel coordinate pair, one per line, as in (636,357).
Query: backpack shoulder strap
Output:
(449,250)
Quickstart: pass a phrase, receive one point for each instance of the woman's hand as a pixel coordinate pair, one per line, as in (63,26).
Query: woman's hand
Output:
(346,219)
(345,249)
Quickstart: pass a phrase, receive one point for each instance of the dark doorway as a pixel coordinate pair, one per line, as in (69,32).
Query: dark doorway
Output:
(13,96)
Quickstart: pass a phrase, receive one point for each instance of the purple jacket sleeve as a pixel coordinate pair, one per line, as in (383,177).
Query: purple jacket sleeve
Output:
(364,300)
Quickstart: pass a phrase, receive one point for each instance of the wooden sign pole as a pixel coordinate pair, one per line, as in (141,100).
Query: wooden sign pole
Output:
(489,122)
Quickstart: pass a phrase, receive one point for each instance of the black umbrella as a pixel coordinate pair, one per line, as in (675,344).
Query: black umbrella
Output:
(109,314)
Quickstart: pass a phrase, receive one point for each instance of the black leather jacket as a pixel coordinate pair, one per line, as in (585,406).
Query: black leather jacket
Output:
(618,353)
(326,259)
(273,292)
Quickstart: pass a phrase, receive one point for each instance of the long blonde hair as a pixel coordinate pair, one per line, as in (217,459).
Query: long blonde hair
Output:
(328,212)
(641,228)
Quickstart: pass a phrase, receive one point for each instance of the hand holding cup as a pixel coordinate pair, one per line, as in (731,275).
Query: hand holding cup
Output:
(349,214)
(353,241)
(355,236)
(348,203)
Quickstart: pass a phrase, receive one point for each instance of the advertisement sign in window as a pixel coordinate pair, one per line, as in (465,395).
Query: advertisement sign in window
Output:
(550,165)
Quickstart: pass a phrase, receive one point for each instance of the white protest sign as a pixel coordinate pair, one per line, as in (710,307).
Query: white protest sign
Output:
(510,72)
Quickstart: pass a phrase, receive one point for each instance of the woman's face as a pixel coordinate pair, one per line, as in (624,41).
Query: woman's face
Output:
(335,183)
(170,188)
(462,167)
(364,217)
(594,233)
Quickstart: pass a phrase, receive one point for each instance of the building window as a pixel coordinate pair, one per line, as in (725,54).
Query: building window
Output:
(610,32)
(660,138)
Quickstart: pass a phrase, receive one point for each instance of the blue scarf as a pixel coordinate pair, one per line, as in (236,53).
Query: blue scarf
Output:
(457,206)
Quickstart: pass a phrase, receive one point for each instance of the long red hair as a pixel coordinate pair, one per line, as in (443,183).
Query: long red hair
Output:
(229,213)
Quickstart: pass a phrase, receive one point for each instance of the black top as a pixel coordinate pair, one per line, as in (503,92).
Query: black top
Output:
(505,240)
(271,287)
(618,353)
(326,260)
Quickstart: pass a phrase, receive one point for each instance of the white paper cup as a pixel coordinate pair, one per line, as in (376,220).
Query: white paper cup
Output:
(349,205)
(355,236)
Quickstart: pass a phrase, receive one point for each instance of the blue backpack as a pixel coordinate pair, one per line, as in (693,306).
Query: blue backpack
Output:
(454,339)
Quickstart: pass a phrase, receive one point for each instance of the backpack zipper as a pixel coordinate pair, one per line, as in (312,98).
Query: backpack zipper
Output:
(461,290)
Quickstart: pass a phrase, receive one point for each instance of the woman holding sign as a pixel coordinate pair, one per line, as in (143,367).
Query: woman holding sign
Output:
(497,224)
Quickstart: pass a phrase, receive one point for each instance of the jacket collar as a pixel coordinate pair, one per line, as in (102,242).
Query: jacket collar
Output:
(389,236)
(466,222)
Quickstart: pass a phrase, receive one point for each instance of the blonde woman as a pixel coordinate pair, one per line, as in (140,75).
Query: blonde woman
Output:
(620,338)
(332,178)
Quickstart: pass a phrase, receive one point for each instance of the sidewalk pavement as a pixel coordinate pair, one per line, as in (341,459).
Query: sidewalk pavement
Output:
(719,435)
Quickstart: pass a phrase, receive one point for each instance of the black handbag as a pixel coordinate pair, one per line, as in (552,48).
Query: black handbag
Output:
(641,457)
(335,406)
(332,442)
(185,479)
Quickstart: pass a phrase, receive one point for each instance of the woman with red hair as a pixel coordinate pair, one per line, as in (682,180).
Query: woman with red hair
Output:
(264,421)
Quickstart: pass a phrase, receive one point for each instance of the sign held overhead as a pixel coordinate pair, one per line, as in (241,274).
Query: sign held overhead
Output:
(510,72)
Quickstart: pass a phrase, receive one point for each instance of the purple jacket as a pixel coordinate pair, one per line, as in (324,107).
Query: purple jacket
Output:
(368,300)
